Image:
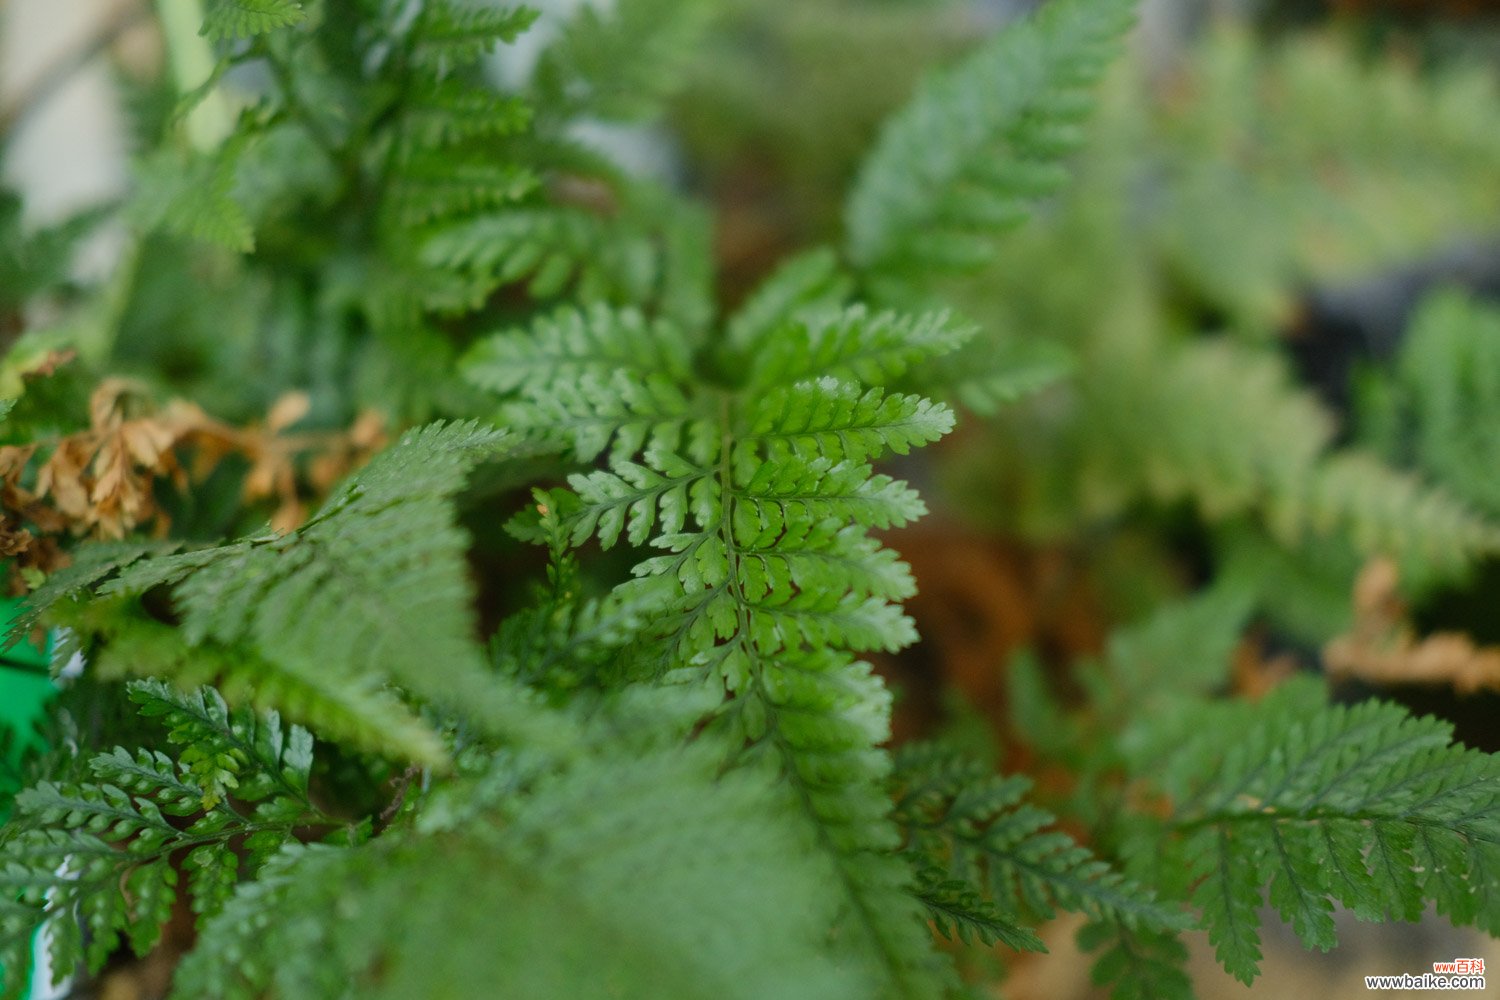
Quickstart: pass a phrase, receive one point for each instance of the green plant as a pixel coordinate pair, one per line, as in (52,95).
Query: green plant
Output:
(667,773)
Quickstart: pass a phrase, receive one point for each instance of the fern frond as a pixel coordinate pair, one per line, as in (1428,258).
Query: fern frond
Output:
(1446,388)
(93,858)
(351,709)
(853,344)
(978,142)
(809,283)
(838,421)
(592,380)
(1220,423)
(91,566)
(430,187)
(1364,805)
(621,60)
(1137,965)
(557,891)
(638,498)
(974,823)
(553,245)
(1383,510)
(371,590)
(574,343)
(650,254)
(983,376)
(193,197)
(223,752)
(448,113)
(960,913)
(769,581)
(227,19)
(451,34)
(1183,648)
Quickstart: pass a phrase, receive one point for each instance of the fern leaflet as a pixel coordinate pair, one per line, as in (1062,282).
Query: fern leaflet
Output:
(976,143)
(1361,805)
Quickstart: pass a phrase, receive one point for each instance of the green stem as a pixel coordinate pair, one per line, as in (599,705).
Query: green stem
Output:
(192,63)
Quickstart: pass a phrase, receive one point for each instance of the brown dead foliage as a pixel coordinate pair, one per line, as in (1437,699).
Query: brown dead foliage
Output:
(101,481)
(979,601)
(1382,648)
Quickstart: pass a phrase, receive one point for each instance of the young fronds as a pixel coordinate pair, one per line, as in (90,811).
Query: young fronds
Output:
(962,161)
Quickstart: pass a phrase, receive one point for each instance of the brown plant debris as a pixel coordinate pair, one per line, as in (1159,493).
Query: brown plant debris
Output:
(1382,648)
(102,480)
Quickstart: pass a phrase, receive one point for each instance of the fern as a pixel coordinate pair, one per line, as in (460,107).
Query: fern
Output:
(454,33)
(646,253)
(1140,966)
(228,19)
(195,198)
(748,490)
(506,742)
(573,920)
(354,710)
(1440,399)
(619,61)
(1226,429)
(959,913)
(975,824)
(962,160)
(555,249)
(93,860)
(375,578)
(1007,868)
(567,639)
(1363,806)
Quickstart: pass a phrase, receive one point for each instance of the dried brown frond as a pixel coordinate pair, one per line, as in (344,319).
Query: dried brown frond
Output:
(1382,648)
(102,481)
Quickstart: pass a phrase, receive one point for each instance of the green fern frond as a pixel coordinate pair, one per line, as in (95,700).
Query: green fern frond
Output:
(620,61)
(353,709)
(593,380)
(228,19)
(977,143)
(973,823)
(557,891)
(1444,395)
(1383,510)
(567,640)
(960,913)
(809,283)
(90,567)
(572,344)
(649,253)
(1364,806)
(1183,648)
(432,187)
(839,422)
(451,34)
(769,581)
(447,113)
(1137,965)
(193,197)
(375,578)
(852,344)
(1221,423)
(371,590)
(241,753)
(92,859)
(555,248)
(984,376)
